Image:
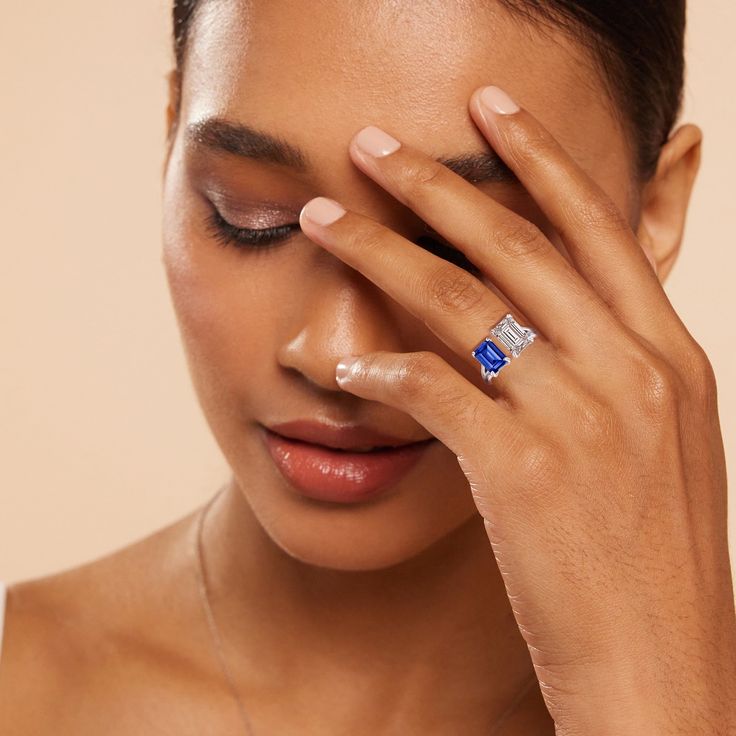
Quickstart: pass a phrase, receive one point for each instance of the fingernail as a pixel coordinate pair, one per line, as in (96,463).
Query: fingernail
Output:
(496,100)
(343,368)
(322,211)
(376,142)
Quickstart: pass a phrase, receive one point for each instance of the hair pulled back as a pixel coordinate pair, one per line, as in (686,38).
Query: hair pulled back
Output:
(637,46)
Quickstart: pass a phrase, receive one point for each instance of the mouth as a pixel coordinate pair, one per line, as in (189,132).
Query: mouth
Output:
(363,450)
(342,475)
(341,436)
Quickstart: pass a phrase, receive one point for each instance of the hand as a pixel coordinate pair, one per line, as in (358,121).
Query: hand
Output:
(596,460)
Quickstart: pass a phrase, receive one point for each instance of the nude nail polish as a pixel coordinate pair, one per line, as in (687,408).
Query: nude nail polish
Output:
(496,100)
(322,211)
(376,142)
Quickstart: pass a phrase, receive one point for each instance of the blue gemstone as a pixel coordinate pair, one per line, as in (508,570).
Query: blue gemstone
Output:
(490,355)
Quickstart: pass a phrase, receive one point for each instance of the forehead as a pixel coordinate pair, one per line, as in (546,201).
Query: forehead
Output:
(316,71)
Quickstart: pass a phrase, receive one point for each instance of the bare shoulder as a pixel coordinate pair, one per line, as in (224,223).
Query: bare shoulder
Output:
(75,641)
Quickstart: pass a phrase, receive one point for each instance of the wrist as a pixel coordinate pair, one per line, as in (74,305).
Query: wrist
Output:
(673,704)
(674,680)
(669,690)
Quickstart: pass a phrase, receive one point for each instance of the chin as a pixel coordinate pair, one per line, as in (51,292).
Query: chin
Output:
(420,511)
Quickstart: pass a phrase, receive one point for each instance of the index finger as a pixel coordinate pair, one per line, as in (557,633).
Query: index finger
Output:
(600,241)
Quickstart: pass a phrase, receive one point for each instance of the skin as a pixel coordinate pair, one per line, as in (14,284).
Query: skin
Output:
(618,571)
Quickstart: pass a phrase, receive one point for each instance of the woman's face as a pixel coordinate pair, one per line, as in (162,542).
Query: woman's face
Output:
(264,327)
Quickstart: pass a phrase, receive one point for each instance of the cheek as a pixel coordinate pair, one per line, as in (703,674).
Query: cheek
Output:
(199,299)
(218,303)
(220,313)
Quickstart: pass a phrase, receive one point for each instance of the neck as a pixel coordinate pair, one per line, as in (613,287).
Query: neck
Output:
(377,641)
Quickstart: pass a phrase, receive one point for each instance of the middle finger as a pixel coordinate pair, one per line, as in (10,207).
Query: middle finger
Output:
(441,294)
(452,303)
(514,253)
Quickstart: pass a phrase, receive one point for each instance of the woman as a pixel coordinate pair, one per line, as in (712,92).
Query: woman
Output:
(546,552)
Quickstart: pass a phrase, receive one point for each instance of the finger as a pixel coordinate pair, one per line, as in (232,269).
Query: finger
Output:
(596,234)
(450,407)
(453,303)
(514,252)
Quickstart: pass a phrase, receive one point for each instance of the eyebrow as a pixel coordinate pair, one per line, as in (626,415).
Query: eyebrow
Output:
(224,136)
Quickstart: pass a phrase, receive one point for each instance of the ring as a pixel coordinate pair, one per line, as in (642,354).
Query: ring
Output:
(512,335)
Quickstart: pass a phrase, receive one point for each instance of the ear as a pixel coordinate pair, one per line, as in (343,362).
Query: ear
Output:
(172,111)
(665,198)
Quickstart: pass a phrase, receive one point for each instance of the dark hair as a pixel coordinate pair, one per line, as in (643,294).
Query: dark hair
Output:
(637,46)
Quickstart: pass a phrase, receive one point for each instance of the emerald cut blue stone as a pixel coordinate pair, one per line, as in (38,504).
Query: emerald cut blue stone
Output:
(490,356)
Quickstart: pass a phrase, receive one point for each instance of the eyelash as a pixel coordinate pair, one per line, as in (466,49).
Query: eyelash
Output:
(242,237)
(227,234)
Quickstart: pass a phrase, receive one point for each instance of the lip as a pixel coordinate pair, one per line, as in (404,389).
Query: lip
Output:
(340,476)
(343,436)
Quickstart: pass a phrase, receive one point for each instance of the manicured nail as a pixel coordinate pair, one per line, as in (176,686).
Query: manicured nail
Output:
(495,99)
(376,142)
(343,368)
(322,211)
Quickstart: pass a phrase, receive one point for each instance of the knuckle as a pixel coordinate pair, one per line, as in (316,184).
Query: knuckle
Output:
(420,176)
(599,214)
(699,374)
(658,390)
(528,145)
(417,374)
(518,239)
(538,466)
(369,237)
(596,423)
(453,290)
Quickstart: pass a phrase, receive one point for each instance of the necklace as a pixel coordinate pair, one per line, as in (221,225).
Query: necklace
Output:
(220,652)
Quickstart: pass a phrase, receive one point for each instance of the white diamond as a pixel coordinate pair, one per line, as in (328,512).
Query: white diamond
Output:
(513,335)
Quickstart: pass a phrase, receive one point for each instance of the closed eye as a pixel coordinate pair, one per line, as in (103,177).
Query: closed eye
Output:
(242,237)
(228,234)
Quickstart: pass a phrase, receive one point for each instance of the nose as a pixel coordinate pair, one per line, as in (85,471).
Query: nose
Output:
(344,313)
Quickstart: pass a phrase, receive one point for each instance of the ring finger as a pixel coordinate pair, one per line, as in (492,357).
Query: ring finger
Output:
(454,304)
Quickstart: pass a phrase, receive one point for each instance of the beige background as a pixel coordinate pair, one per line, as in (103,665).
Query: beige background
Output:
(102,438)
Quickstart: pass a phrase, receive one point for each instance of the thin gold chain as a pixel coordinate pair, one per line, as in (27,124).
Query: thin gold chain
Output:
(220,652)
(214,631)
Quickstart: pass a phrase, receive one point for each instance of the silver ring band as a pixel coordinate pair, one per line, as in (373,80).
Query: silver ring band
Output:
(511,335)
